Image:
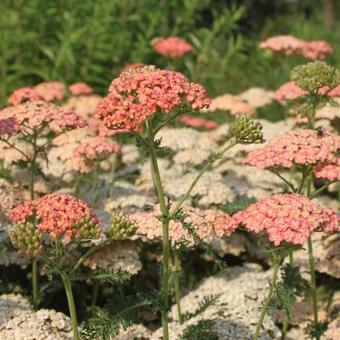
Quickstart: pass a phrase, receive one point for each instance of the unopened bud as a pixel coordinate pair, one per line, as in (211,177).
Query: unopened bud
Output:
(246,131)
(121,227)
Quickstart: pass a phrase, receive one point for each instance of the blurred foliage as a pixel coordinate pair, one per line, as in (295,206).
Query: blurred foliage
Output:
(83,40)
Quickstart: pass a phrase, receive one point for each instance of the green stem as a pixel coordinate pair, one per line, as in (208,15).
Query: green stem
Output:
(165,232)
(177,268)
(286,319)
(71,306)
(313,282)
(268,298)
(318,191)
(205,168)
(35,283)
(285,180)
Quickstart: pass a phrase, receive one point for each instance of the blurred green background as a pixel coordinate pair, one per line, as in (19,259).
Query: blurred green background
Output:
(91,40)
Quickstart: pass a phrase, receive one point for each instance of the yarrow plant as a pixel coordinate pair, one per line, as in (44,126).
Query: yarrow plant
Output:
(28,129)
(146,99)
(46,228)
(172,47)
(289,220)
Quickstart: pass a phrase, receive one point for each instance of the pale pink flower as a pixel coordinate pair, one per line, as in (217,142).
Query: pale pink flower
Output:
(287,218)
(207,224)
(37,114)
(316,49)
(288,91)
(172,47)
(137,95)
(300,146)
(80,89)
(22,95)
(51,90)
(285,44)
(328,171)
(196,122)
(131,67)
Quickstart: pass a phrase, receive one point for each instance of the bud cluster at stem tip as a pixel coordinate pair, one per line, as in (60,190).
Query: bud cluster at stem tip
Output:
(121,227)
(246,131)
(26,238)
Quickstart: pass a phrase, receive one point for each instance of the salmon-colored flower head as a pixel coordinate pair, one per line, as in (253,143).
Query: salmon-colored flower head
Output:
(137,95)
(172,47)
(296,147)
(36,114)
(51,90)
(23,94)
(196,122)
(207,224)
(60,216)
(288,91)
(328,171)
(287,218)
(80,89)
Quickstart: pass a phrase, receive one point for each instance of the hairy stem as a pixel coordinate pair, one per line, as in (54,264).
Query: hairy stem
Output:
(71,306)
(177,268)
(276,265)
(165,231)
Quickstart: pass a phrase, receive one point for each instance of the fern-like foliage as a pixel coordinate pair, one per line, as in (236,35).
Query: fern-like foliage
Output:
(202,330)
(203,305)
(316,330)
(238,204)
(181,216)
(287,289)
(119,314)
(109,276)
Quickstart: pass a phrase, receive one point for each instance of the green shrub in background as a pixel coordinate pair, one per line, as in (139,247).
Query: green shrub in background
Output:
(86,40)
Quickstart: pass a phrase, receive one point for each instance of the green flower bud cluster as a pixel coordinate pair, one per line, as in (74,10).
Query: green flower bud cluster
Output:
(26,238)
(121,227)
(88,229)
(246,131)
(315,75)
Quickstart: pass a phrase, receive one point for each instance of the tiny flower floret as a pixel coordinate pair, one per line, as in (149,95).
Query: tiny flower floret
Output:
(141,93)
(287,218)
(302,147)
(60,216)
(172,47)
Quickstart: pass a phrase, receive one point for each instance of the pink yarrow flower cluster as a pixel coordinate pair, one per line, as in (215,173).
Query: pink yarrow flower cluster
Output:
(207,224)
(32,115)
(290,45)
(80,89)
(328,171)
(301,146)
(51,90)
(137,95)
(58,215)
(288,91)
(287,218)
(96,148)
(23,94)
(198,122)
(172,47)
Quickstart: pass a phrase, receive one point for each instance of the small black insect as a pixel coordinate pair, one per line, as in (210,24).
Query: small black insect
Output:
(147,207)
(320,131)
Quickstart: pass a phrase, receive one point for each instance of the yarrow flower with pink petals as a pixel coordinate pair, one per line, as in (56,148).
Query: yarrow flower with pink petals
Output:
(288,91)
(295,147)
(290,45)
(8,127)
(207,224)
(51,90)
(80,89)
(172,47)
(60,216)
(328,171)
(23,94)
(137,95)
(287,218)
(198,122)
(32,115)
